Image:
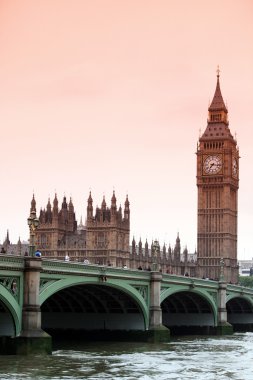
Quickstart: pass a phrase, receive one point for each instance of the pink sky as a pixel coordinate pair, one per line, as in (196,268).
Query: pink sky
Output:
(112,94)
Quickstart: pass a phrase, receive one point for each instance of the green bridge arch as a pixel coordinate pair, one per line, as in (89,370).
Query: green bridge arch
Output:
(12,306)
(201,292)
(123,286)
(247,298)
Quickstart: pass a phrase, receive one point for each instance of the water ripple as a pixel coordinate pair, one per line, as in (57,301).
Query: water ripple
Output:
(191,358)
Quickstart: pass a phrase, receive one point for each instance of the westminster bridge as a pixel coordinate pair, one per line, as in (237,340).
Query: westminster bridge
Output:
(40,298)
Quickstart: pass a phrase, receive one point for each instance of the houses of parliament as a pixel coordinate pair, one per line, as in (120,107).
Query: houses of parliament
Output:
(105,237)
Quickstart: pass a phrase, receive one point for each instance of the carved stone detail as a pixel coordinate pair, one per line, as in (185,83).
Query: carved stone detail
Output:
(12,285)
(164,288)
(213,295)
(143,290)
(44,283)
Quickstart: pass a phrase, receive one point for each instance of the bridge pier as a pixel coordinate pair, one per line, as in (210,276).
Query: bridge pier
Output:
(157,332)
(223,327)
(32,338)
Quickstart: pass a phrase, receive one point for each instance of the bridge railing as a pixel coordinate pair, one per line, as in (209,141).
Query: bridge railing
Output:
(59,266)
(11,262)
(192,281)
(16,263)
(242,290)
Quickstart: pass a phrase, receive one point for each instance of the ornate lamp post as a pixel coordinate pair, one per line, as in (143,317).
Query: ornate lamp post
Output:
(33,223)
(155,254)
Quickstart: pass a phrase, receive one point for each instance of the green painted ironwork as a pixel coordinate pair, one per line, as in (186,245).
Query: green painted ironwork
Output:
(57,275)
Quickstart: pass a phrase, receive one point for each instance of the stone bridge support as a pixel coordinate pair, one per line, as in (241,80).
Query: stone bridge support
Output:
(223,328)
(32,338)
(157,332)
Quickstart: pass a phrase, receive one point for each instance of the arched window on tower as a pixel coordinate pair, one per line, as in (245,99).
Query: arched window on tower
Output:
(43,240)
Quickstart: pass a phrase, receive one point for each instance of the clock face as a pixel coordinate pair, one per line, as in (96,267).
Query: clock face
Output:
(212,164)
(234,167)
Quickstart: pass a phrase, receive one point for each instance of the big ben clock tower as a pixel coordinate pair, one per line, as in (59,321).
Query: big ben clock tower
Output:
(218,183)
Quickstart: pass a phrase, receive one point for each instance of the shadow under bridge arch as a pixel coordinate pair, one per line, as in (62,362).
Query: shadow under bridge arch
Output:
(92,311)
(187,312)
(240,313)
(10,314)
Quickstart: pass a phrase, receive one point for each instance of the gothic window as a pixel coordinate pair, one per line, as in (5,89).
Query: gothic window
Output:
(101,240)
(43,240)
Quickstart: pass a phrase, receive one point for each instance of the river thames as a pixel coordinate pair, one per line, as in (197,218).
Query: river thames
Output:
(198,358)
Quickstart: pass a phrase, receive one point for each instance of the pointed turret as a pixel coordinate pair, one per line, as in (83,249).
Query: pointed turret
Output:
(55,206)
(113,203)
(42,217)
(170,253)
(71,206)
(113,200)
(120,214)
(104,210)
(81,225)
(49,212)
(71,209)
(140,247)
(146,248)
(19,246)
(33,205)
(133,246)
(64,212)
(126,210)
(90,208)
(72,224)
(6,242)
(164,250)
(55,209)
(64,203)
(178,245)
(185,255)
(177,249)
(48,205)
(7,239)
(103,205)
(98,214)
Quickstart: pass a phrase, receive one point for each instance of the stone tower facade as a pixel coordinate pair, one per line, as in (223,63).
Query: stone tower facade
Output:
(104,239)
(57,234)
(218,183)
(107,233)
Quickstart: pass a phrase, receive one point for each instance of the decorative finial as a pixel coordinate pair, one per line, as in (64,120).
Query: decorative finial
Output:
(218,71)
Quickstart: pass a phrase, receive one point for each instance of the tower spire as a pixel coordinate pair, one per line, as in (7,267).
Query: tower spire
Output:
(217,122)
(217,103)
(218,71)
